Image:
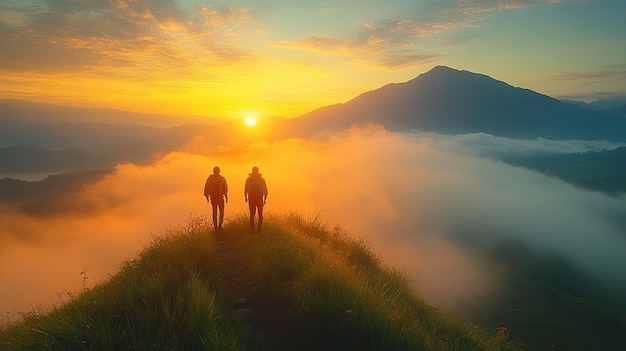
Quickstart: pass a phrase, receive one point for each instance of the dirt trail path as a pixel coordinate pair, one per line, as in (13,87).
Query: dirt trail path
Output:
(240,287)
(235,277)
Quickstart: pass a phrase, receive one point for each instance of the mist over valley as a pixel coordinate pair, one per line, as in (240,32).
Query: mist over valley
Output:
(497,201)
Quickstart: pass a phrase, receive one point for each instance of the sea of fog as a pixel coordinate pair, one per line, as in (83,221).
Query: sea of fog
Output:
(417,199)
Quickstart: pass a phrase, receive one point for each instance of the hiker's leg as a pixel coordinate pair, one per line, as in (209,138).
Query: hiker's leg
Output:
(260,215)
(221,208)
(252,207)
(214,207)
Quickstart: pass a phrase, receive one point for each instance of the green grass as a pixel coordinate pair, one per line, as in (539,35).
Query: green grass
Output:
(298,285)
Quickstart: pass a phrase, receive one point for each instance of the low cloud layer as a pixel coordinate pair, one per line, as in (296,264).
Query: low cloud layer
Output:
(413,198)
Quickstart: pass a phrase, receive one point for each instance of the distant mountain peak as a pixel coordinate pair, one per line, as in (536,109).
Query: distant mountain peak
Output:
(451,101)
(442,68)
(454,75)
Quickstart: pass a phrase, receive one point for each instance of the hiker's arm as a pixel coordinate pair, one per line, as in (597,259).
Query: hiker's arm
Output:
(206,189)
(225,189)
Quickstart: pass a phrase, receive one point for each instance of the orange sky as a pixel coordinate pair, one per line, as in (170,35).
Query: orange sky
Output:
(223,58)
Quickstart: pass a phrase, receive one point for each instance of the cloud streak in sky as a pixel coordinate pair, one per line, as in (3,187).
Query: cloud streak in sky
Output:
(416,199)
(141,36)
(397,43)
(122,37)
(611,73)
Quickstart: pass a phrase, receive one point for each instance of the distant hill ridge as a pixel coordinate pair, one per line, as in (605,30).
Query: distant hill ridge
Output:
(450,101)
(442,100)
(27,112)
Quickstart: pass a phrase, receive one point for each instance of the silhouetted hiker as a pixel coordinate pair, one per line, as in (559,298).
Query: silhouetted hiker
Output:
(216,189)
(255,194)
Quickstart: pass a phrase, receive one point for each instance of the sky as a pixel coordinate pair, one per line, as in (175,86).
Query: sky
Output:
(240,58)
(425,199)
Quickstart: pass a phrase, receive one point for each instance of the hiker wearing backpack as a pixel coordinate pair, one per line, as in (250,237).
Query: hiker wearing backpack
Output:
(255,193)
(216,189)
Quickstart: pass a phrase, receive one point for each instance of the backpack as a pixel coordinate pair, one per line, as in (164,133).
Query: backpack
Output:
(215,187)
(255,190)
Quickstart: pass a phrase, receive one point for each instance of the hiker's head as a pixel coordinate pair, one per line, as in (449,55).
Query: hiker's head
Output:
(216,170)
(255,170)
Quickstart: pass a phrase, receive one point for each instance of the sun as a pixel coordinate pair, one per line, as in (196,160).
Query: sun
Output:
(250,121)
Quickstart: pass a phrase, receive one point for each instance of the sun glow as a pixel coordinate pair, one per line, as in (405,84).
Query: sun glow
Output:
(250,121)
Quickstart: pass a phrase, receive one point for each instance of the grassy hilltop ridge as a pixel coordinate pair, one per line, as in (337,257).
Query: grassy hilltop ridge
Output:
(299,285)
